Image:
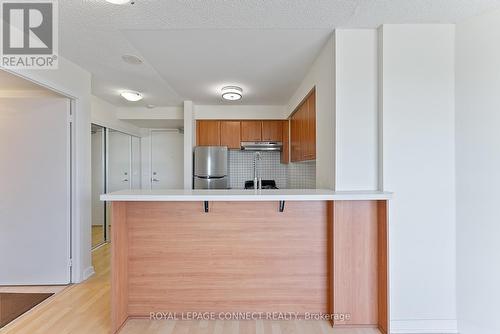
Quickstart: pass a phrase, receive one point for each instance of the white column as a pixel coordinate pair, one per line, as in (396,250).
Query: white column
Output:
(189,142)
(418,166)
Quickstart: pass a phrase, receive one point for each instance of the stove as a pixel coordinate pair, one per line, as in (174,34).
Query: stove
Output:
(266,184)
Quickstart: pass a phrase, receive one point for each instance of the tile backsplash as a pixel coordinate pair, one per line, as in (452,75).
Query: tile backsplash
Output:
(302,175)
(293,175)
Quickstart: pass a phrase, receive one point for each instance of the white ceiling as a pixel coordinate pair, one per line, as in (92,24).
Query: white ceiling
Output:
(183,42)
(268,64)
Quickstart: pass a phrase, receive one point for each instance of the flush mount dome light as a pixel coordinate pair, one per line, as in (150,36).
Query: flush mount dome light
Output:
(131,96)
(232,93)
(132,60)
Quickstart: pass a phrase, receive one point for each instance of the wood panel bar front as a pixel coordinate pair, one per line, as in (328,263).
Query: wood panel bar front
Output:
(239,257)
(360,274)
(119,265)
(246,257)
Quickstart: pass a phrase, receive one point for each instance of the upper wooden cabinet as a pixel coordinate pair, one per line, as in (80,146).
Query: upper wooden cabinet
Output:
(272,130)
(303,130)
(251,130)
(285,135)
(230,134)
(295,151)
(208,133)
(310,124)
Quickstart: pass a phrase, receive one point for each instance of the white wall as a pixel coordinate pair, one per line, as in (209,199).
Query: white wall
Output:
(105,114)
(356,69)
(146,113)
(74,82)
(478,173)
(322,76)
(418,166)
(238,112)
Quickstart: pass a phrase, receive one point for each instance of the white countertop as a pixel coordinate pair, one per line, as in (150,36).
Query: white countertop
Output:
(180,195)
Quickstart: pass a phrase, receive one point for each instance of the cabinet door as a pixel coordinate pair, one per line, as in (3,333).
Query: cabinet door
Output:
(272,131)
(251,130)
(285,134)
(312,111)
(295,136)
(303,130)
(230,134)
(207,133)
(310,128)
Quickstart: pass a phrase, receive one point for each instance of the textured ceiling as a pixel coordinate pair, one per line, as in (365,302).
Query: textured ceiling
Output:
(95,34)
(268,64)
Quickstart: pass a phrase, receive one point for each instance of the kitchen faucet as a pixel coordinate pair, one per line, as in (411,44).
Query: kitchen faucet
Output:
(257,180)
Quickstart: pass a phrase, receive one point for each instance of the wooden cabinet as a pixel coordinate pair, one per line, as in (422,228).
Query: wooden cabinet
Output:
(295,136)
(285,135)
(272,130)
(208,133)
(303,130)
(310,126)
(230,134)
(251,130)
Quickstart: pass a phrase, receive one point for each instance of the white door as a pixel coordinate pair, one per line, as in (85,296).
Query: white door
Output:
(35,220)
(119,161)
(136,163)
(167,160)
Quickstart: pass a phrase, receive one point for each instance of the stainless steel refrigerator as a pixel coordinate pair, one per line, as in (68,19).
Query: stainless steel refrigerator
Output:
(211,167)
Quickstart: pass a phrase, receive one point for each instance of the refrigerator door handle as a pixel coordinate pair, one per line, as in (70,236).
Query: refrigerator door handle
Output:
(210,177)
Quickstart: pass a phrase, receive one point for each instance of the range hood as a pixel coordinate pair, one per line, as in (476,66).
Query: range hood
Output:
(261,145)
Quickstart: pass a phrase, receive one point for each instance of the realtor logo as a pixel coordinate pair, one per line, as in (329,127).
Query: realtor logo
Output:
(29,34)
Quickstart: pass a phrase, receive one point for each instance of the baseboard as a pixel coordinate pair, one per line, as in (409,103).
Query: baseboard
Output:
(87,273)
(426,326)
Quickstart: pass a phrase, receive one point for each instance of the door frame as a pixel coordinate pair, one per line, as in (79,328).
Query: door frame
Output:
(104,143)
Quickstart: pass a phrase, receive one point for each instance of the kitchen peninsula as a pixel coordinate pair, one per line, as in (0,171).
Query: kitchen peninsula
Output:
(301,251)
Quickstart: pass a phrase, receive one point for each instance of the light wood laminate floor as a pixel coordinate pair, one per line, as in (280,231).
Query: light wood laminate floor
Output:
(97,235)
(136,326)
(85,309)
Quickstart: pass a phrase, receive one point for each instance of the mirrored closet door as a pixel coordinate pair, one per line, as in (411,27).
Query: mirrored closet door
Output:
(116,165)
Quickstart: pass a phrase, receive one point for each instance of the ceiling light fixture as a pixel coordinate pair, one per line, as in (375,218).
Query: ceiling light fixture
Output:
(131,96)
(131,59)
(118,2)
(232,93)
